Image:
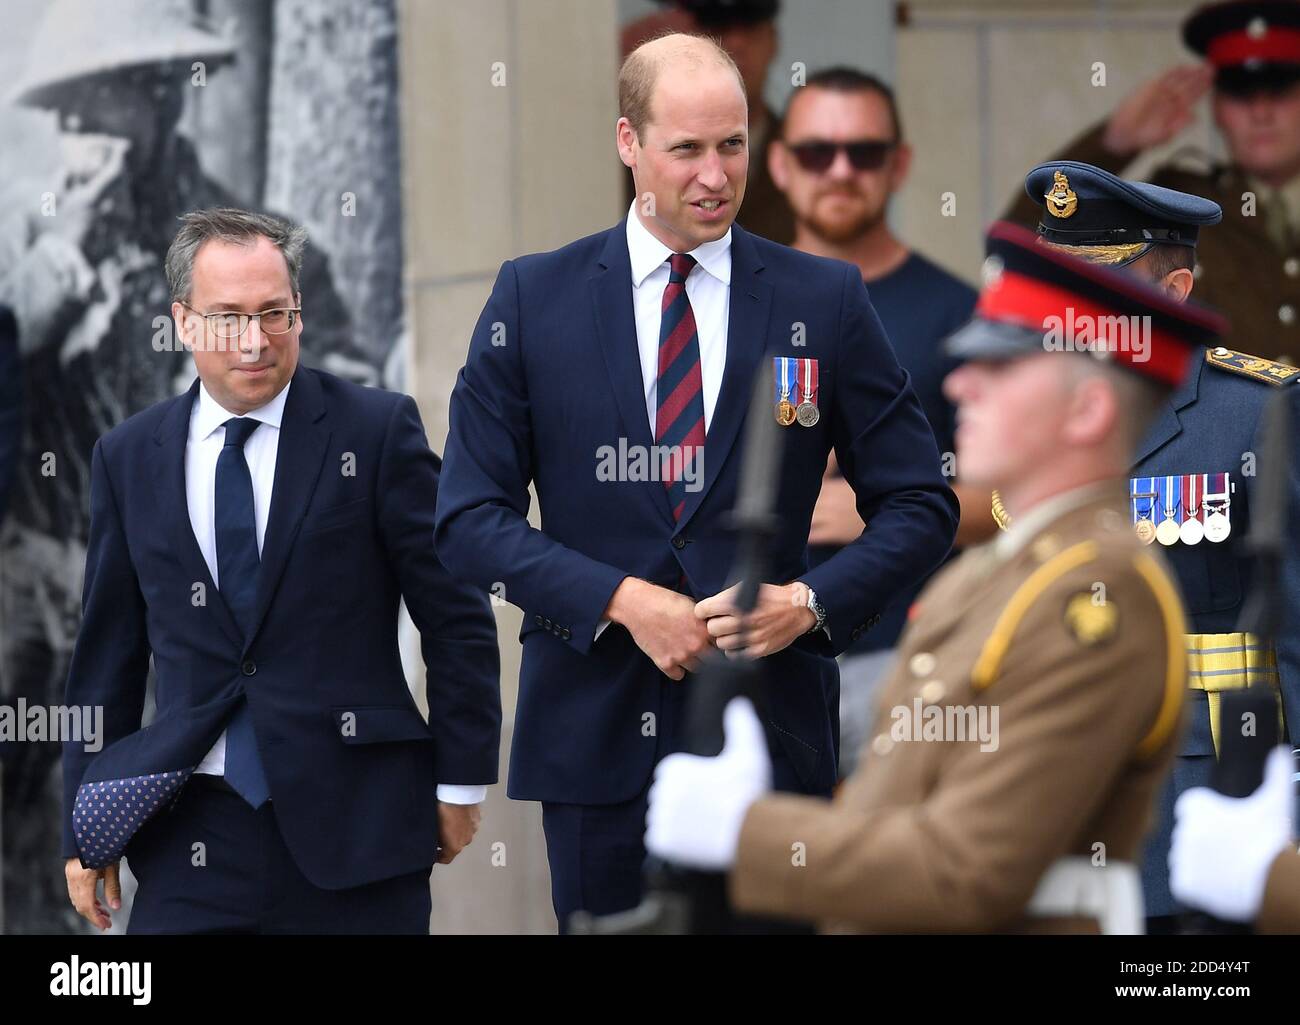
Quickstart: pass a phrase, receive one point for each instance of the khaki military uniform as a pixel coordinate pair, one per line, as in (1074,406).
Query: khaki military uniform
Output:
(1249,264)
(1071,630)
(1280,912)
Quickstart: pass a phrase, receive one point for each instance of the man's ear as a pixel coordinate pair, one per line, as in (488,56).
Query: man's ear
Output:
(1094,409)
(179,315)
(777,155)
(625,137)
(1178,284)
(902,166)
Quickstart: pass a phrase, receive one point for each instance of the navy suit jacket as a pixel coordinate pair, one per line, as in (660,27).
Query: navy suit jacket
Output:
(10,409)
(553,375)
(352,765)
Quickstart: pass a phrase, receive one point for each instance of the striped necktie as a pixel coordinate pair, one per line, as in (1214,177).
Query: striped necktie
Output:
(679,414)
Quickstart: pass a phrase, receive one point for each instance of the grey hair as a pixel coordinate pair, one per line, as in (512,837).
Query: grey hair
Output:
(230,225)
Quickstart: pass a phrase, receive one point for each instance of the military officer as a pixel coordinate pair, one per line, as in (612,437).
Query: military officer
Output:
(1194,480)
(1035,707)
(1250,267)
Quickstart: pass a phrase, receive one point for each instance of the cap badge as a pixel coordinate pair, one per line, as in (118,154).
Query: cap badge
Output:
(1061,200)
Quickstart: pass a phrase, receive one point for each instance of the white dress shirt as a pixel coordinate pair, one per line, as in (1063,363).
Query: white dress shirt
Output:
(708,287)
(207,437)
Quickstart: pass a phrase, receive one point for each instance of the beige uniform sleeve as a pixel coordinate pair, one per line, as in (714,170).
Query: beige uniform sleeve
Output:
(1071,718)
(1280,912)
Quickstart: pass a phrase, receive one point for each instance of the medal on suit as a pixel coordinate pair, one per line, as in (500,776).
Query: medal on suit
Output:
(785,411)
(807,412)
(1216,504)
(1143,496)
(1191,531)
(1167,531)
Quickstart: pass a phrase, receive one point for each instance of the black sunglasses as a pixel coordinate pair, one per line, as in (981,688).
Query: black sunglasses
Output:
(865,155)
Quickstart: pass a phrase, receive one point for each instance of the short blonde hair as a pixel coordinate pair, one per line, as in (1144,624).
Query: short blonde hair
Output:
(640,70)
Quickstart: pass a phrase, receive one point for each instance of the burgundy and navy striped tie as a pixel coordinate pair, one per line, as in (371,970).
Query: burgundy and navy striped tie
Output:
(679,416)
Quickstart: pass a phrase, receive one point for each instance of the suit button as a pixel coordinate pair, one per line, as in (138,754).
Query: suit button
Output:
(537,620)
(857,632)
(1286,313)
(248,668)
(882,745)
(1291,266)
(922,663)
(679,543)
(932,693)
(564,634)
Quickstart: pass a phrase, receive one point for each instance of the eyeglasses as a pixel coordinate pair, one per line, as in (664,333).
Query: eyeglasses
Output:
(865,155)
(228,324)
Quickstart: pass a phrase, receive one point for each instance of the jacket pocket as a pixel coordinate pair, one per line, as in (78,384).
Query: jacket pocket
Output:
(345,515)
(372,724)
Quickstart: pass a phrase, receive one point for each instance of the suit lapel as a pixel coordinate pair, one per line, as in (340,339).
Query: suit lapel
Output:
(611,293)
(1169,424)
(749,308)
(304,439)
(173,506)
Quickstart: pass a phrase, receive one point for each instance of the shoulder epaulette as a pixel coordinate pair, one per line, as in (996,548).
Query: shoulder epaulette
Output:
(1251,366)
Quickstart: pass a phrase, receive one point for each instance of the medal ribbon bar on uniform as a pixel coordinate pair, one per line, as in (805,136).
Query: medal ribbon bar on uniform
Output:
(1191,530)
(807,412)
(1142,491)
(1217,503)
(1170,488)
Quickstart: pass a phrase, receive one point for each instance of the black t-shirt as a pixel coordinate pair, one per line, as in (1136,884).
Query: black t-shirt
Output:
(919,304)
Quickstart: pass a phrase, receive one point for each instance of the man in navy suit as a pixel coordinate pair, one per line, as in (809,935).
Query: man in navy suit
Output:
(254,536)
(614,376)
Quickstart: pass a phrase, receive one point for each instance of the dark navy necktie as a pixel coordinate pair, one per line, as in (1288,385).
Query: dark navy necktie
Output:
(679,413)
(238,564)
(107,813)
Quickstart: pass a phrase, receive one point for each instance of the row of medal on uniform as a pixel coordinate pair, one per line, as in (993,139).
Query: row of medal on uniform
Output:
(1182,508)
(796,379)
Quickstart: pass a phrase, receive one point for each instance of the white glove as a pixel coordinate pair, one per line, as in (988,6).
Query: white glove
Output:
(1223,847)
(698,805)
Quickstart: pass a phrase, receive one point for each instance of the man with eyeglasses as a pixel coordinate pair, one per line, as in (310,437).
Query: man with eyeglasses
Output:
(255,536)
(839,158)
(82,277)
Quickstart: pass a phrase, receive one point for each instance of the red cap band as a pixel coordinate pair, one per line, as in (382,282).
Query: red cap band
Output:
(1030,303)
(1280,45)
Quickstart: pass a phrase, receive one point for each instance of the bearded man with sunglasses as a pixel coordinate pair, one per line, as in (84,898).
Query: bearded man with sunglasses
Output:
(254,536)
(839,158)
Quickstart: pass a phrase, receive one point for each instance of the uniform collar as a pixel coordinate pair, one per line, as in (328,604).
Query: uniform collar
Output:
(648,254)
(1028,525)
(209,414)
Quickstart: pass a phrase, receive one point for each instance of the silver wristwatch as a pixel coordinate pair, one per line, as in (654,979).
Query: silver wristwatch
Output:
(818,609)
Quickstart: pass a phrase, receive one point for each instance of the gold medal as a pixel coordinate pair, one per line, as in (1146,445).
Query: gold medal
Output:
(785,413)
(1167,533)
